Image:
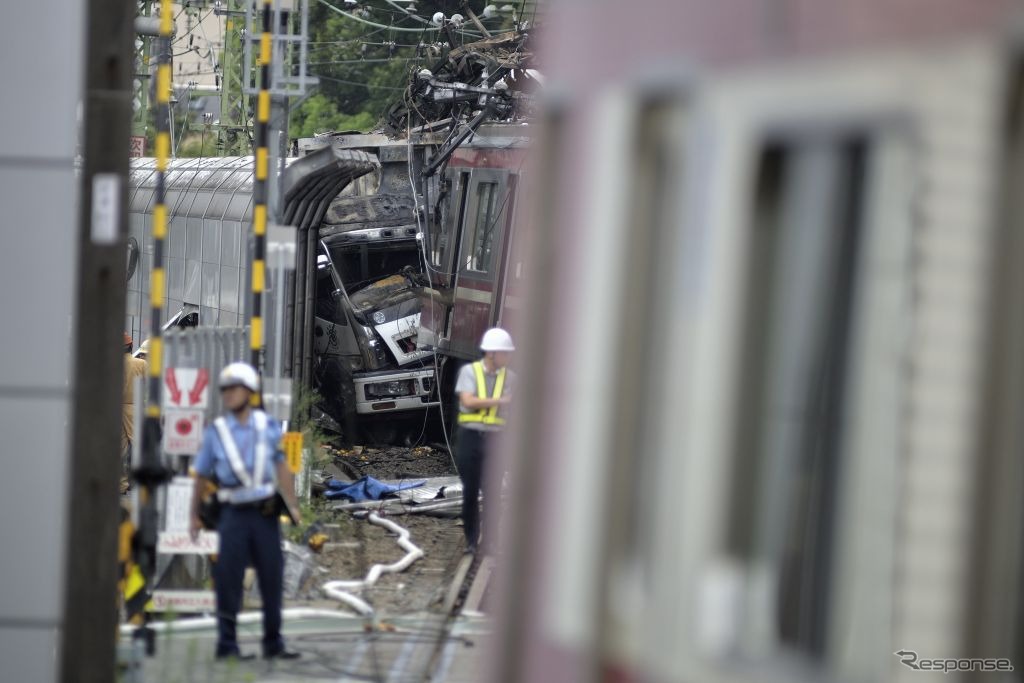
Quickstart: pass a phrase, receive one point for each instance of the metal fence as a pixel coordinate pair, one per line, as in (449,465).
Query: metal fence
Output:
(198,347)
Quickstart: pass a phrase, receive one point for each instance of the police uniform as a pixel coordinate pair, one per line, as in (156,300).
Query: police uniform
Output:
(477,429)
(242,459)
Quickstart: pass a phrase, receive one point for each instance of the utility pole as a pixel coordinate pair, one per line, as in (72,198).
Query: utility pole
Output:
(275,44)
(90,590)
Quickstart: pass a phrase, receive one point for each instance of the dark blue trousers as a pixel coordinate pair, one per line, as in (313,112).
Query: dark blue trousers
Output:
(248,536)
(471,456)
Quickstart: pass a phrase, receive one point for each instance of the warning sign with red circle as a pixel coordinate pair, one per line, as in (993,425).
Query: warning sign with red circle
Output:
(183,431)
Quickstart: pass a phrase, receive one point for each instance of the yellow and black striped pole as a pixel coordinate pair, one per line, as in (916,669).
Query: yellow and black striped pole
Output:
(157,282)
(259,191)
(151,472)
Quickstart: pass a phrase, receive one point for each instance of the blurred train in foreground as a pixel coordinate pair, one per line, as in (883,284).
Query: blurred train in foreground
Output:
(772,365)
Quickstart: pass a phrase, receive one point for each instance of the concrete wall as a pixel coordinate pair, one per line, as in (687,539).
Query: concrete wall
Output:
(39,194)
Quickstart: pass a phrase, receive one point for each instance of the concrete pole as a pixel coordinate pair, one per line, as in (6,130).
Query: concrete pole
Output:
(90,614)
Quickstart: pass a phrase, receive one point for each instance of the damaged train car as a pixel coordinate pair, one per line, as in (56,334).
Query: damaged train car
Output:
(408,276)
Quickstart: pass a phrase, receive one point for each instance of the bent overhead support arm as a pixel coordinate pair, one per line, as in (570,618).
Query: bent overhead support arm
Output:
(308,186)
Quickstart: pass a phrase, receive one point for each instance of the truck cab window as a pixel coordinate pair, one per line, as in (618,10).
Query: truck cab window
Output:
(326,299)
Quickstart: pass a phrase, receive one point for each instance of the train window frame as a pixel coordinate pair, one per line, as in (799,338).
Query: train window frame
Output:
(481,245)
(445,240)
(601,592)
(798,365)
(471,225)
(722,613)
(885,222)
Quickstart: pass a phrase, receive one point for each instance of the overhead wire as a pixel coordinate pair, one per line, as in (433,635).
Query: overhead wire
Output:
(365,85)
(420,237)
(373,23)
(372,60)
(428,27)
(198,24)
(407,13)
(184,124)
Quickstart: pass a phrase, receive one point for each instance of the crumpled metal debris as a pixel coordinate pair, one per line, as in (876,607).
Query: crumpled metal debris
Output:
(494,70)
(298,567)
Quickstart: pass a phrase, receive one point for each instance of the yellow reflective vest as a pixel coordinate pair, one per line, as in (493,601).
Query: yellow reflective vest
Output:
(487,416)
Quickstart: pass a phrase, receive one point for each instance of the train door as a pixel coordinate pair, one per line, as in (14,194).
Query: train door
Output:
(480,268)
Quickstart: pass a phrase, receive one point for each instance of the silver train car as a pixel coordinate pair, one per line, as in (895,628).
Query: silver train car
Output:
(769,424)
(210,210)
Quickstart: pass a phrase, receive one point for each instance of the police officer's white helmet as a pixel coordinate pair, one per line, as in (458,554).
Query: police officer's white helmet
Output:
(497,339)
(239,374)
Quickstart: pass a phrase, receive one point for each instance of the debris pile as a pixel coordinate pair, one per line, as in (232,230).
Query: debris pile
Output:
(496,74)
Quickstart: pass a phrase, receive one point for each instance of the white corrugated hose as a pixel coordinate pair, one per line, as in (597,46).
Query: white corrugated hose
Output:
(339,590)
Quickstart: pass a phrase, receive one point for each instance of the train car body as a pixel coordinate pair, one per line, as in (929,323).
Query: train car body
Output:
(475,260)
(769,422)
(210,210)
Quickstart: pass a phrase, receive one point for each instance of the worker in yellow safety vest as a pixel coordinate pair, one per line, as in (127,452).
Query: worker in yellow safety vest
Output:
(484,389)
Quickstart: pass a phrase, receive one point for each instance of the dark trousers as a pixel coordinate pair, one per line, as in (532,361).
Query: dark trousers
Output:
(471,457)
(248,535)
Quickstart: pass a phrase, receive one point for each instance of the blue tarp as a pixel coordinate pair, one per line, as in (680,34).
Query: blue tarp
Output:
(366,488)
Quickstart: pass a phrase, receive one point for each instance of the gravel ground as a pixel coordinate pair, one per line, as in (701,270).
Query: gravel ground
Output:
(355,545)
(394,462)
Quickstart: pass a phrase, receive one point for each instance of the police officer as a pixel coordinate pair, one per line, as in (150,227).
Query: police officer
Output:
(241,455)
(483,389)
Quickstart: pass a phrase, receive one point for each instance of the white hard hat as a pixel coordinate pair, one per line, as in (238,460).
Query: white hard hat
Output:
(236,374)
(497,339)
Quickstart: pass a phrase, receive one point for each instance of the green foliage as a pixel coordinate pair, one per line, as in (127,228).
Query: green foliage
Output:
(318,114)
(199,144)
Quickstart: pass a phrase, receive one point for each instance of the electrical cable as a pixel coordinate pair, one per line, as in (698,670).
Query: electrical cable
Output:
(407,13)
(170,125)
(346,82)
(372,60)
(428,27)
(184,124)
(189,32)
(213,52)
(375,24)
(426,262)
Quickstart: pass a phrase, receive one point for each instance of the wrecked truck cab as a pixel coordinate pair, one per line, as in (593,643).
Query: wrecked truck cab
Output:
(368,332)
(368,298)
(391,306)
(388,312)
